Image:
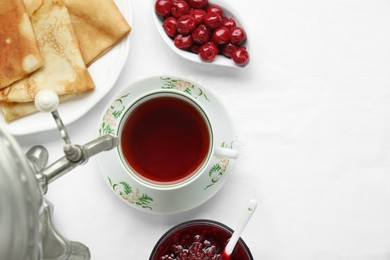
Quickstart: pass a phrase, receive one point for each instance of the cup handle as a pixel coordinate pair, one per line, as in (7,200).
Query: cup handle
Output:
(226,152)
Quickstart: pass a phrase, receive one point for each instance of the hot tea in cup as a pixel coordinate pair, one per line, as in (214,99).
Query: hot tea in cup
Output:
(165,138)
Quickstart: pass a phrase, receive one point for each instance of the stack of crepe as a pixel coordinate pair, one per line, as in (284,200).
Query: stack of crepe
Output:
(48,44)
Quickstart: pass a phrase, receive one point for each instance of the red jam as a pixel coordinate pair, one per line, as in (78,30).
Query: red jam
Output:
(198,239)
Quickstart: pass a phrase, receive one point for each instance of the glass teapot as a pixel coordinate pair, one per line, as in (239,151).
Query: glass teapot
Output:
(26,227)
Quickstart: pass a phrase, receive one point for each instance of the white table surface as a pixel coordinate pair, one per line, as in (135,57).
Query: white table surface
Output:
(312,116)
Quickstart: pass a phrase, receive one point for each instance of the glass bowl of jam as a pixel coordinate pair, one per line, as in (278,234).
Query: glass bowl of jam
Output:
(198,239)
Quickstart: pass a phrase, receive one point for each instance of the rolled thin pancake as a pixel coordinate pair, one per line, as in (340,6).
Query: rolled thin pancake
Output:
(98,24)
(19,53)
(63,70)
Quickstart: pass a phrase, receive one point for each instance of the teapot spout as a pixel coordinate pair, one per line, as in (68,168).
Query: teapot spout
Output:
(69,161)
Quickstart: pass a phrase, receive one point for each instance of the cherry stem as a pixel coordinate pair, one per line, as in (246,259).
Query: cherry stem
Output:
(246,215)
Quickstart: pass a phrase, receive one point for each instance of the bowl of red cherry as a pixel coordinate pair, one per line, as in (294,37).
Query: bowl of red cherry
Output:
(203,31)
(198,239)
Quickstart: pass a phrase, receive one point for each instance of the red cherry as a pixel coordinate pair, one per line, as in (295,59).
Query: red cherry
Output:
(215,9)
(163,7)
(201,34)
(208,51)
(212,20)
(183,42)
(201,28)
(195,49)
(179,8)
(198,14)
(185,24)
(200,4)
(221,35)
(227,49)
(240,56)
(170,26)
(229,23)
(238,36)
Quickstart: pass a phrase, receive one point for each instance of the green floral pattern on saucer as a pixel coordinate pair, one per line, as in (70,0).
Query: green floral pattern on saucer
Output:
(126,192)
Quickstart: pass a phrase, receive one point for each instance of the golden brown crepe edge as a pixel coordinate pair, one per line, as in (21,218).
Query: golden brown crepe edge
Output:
(26,55)
(29,86)
(13,111)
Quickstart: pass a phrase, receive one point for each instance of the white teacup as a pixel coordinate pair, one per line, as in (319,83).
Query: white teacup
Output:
(167,139)
(168,160)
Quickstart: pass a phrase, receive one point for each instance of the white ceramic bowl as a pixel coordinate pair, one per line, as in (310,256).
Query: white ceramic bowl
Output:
(220,60)
(180,198)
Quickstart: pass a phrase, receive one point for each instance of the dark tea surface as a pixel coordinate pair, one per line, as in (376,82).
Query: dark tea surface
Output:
(165,139)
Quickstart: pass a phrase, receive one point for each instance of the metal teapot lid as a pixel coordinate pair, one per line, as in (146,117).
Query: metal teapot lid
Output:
(20,203)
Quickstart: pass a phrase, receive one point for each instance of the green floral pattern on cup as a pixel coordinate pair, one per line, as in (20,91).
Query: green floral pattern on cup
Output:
(218,169)
(112,115)
(110,119)
(126,192)
(184,86)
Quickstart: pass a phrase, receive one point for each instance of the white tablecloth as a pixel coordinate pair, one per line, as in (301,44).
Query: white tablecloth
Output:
(312,116)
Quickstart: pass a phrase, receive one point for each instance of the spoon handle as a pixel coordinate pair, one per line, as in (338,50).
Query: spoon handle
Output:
(246,215)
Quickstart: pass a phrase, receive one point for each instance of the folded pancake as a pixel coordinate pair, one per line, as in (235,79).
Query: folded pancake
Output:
(63,70)
(19,53)
(99,26)
(13,111)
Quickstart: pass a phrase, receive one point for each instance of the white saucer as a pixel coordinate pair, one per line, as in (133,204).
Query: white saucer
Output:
(166,202)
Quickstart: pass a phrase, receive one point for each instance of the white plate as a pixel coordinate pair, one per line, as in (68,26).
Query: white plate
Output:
(104,71)
(141,196)
(220,60)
